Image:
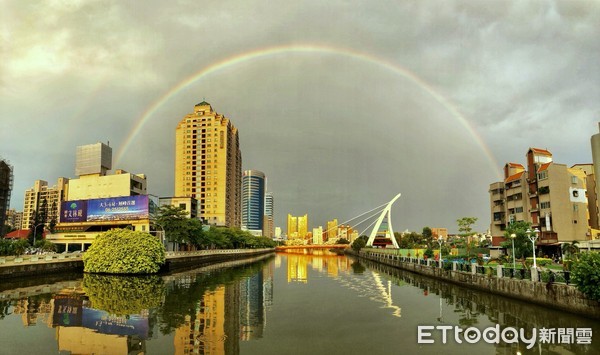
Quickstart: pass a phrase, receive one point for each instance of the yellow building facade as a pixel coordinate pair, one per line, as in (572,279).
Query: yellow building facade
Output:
(297,226)
(208,165)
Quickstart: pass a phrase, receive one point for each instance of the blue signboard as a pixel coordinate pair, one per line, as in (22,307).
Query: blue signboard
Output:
(125,208)
(73,211)
(106,323)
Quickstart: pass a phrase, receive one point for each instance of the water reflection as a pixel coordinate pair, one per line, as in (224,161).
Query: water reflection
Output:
(223,309)
(466,307)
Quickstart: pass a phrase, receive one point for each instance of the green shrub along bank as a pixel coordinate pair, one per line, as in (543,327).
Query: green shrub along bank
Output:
(123,251)
(586,274)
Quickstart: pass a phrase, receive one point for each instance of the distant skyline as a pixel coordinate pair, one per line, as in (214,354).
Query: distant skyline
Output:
(341,104)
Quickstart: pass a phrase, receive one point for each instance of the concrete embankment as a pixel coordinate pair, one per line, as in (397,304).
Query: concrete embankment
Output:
(25,267)
(179,260)
(553,295)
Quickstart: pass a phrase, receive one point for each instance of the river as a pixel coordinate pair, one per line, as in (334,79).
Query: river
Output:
(291,303)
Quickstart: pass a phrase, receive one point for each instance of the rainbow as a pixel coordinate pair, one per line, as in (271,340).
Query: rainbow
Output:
(302,48)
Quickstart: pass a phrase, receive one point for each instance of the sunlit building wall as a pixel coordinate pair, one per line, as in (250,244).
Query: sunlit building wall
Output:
(34,200)
(332,229)
(317,235)
(120,184)
(208,165)
(14,219)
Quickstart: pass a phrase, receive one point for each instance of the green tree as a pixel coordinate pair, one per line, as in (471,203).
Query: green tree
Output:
(428,236)
(359,243)
(523,247)
(464,225)
(586,274)
(177,225)
(53,213)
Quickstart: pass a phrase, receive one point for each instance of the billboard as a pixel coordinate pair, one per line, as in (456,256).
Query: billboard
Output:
(106,323)
(73,211)
(124,208)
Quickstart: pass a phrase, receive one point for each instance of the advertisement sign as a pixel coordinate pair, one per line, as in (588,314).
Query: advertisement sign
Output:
(125,208)
(106,323)
(67,310)
(73,211)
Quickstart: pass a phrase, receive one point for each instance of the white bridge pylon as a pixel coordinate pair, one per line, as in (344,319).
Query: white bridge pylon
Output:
(389,233)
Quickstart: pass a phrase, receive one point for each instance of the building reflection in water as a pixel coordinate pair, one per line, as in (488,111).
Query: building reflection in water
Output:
(298,261)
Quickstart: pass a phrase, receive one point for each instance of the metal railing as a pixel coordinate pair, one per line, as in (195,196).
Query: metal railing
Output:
(543,274)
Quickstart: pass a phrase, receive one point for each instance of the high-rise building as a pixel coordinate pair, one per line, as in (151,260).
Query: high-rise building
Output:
(297,227)
(550,196)
(253,200)
(93,159)
(269,220)
(44,201)
(208,165)
(332,230)
(6,184)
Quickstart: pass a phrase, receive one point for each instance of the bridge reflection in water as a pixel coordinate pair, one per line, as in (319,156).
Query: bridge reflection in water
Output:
(298,300)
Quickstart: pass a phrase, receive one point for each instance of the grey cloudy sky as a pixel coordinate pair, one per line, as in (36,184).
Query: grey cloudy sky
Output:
(337,131)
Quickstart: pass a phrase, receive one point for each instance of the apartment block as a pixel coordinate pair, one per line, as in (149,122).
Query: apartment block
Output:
(550,196)
(42,199)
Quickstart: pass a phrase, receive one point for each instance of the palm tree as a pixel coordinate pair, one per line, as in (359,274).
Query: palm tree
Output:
(570,250)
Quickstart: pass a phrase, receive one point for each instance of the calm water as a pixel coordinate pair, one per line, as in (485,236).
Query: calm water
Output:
(287,304)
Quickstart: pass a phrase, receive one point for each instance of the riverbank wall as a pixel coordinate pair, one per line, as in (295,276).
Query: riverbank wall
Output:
(181,260)
(553,295)
(12,268)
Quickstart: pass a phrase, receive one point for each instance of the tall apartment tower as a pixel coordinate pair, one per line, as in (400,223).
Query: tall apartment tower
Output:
(253,200)
(208,165)
(6,184)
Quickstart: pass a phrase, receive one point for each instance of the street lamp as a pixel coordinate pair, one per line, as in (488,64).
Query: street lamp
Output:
(533,238)
(162,235)
(440,240)
(512,238)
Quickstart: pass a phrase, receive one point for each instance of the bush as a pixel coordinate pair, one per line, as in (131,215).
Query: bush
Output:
(123,295)
(586,274)
(13,247)
(123,251)
(45,245)
(539,261)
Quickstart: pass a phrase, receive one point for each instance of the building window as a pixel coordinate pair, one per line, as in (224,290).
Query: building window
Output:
(574,179)
(575,208)
(544,205)
(543,175)
(519,210)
